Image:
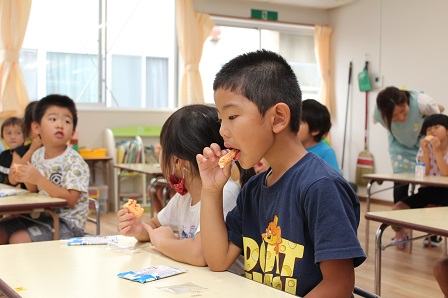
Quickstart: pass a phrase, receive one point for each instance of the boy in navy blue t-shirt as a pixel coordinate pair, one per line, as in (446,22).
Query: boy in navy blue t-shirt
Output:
(296,223)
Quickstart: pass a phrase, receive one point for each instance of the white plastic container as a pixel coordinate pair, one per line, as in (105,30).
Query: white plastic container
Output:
(420,170)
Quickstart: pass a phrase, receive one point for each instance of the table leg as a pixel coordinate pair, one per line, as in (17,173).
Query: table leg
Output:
(369,189)
(109,189)
(152,193)
(117,190)
(55,223)
(378,252)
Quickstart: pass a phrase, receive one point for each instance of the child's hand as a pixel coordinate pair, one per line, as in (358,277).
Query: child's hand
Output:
(36,143)
(158,235)
(435,143)
(14,171)
(28,173)
(424,145)
(213,177)
(128,224)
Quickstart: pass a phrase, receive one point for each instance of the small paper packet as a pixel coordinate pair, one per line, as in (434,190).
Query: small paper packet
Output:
(95,240)
(183,288)
(151,273)
(11,192)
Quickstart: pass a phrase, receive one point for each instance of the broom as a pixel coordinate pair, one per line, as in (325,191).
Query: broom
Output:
(365,164)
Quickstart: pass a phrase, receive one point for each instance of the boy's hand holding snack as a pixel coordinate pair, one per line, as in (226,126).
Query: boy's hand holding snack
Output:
(212,175)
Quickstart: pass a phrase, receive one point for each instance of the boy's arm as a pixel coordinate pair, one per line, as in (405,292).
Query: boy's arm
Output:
(57,191)
(338,279)
(34,179)
(219,252)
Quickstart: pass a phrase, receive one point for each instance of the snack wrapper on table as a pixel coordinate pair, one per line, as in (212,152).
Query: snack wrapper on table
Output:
(96,240)
(151,273)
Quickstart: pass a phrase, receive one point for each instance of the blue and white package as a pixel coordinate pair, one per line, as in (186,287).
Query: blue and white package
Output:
(151,273)
(95,240)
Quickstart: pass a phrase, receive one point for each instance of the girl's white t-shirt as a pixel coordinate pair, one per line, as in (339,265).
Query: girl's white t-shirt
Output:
(184,218)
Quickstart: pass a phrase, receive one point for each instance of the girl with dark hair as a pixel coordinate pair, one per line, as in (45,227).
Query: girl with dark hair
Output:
(185,133)
(434,153)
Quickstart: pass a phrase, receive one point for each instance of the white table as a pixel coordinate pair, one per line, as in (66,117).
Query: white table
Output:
(404,178)
(53,269)
(427,220)
(33,204)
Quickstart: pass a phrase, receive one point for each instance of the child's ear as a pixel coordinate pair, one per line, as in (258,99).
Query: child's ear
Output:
(315,133)
(281,117)
(35,127)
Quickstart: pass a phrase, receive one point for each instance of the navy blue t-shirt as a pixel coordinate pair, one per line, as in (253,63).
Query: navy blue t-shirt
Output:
(310,215)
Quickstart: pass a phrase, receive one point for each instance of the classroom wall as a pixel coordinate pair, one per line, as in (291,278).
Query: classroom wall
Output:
(404,41)
(93,122)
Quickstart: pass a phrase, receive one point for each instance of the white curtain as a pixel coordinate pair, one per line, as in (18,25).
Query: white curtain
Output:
(14,17)
(192,30)
(322,41)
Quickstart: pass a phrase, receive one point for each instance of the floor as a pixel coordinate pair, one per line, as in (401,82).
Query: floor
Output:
(403,274)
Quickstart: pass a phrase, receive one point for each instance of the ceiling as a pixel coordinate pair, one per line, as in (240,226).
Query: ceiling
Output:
(318,4)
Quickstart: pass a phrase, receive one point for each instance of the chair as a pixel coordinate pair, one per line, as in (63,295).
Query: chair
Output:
(153,184)
(94,205)
(129,133)
(363,293)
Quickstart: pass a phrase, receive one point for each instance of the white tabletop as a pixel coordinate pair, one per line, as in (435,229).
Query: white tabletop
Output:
(26,200)
(53,269)
(440,181)
(429,220)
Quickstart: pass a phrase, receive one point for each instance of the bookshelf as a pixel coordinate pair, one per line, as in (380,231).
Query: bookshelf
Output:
(125,145)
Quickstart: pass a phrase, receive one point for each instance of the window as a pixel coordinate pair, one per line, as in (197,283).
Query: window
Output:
(135,67)
(132,60)
(232,37)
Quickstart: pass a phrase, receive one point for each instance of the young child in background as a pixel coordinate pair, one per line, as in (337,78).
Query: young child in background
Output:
(22,154)
(11,132)
(296,224)
(183,135)
(434,153)
(314,126)
(55,170)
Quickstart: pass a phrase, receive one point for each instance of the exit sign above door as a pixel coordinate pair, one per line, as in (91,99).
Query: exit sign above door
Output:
(264,14)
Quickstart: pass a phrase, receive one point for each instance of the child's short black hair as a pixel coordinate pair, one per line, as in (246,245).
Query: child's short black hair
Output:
(435,119)
(55,100)
(10,122)
(317,116)
(265,78)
